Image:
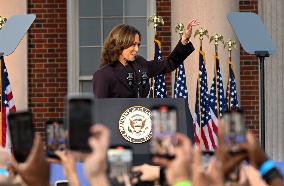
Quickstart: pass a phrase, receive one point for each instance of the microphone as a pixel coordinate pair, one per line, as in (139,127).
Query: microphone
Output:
(145,79)
(130,78)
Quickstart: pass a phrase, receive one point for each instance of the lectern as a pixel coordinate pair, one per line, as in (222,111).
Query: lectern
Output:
(111,111)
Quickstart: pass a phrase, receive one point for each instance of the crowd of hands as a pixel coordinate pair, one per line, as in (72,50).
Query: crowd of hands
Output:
(187,164)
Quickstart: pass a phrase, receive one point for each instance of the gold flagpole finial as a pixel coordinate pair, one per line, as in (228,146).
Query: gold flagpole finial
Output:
(230,45)
(179,28)
(2,21)
(156,20)
(217,38)
(201,32)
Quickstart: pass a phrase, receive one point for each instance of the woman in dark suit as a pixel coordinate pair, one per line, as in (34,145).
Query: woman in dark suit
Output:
(125,74)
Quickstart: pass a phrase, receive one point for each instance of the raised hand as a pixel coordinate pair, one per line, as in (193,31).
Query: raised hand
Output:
(211,176)
(68,162)
(95,164)
(148,173)
(188,30)
(35,169)
(178,169)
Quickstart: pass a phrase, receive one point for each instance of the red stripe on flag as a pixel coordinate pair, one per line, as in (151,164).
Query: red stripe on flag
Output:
(13,109)
(215,128)
(4,126)
(196,138)
(211,136)
(9,96)
(204,139)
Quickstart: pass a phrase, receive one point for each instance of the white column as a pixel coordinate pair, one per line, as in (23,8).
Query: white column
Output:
(272,14)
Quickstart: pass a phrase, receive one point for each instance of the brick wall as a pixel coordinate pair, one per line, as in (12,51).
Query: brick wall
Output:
(47,60)
(164,34)
(249,78)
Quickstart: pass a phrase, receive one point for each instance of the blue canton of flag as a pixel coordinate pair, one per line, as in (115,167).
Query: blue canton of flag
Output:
(203,124)
(180,88)
(158,84)
(231,95)
(217,99)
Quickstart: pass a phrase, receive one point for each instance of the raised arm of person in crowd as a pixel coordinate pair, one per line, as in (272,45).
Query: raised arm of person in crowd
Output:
(210,176)
(179,170)
(7,177)
(146,172)
(253,176)
(68,162)
(95,164)
(251,151)
(35,170)
(220,166)
(260,160)
(228,160)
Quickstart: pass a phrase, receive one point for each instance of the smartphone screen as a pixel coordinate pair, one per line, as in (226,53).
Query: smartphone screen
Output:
(164,122)
(120,162)
(206,158)
(79,120)
(235,130)
(55,137)
(21,133)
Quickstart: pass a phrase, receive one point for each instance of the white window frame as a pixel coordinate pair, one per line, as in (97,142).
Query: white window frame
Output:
(73,43)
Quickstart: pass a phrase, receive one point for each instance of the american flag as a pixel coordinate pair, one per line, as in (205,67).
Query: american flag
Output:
(203,133)
(7,105)
(158,84)
(217,100)
(180,88)
(231,95)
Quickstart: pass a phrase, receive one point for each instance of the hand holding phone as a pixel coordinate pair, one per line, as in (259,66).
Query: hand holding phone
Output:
(206,158)
(164,122)
(235,130)
(120,162)
(55,137)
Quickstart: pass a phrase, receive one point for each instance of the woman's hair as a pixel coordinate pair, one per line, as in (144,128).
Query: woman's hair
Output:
(120,38)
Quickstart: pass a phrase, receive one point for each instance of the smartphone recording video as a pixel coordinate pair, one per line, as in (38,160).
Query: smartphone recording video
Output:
(120,162)
(55,137)
(206,158)
(21,133)
(235,130)
(164,122)
(79,119)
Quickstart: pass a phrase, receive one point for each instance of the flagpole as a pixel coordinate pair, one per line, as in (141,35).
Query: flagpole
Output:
(201,33)
(216,88)
(230,44)
(157,21)
(229,85)
(217,38)
(1,98)
(199,99)
(3,20)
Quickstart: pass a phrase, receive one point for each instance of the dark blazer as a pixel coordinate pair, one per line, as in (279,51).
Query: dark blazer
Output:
(112,81)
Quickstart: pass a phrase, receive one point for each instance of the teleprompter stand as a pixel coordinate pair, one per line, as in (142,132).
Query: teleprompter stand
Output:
(255,40)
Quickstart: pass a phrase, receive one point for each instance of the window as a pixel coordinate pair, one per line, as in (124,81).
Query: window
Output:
(90,22)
